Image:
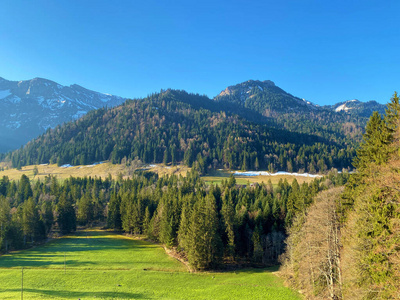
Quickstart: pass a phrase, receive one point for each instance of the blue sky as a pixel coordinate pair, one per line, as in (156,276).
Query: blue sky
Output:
(323,51)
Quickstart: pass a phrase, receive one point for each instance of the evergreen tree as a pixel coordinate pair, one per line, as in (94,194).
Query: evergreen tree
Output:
(146,221)
(205,247)
(47,216)
(114,214)
(85,210)
(66,215)
(228,216)
(30,220)
(5,220)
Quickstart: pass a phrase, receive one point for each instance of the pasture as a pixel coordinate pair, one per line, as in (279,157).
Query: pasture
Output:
(100,170)
(105,169)
(218,176)
(96,264)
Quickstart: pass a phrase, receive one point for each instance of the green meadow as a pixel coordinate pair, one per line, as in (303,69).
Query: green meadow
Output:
(96,264)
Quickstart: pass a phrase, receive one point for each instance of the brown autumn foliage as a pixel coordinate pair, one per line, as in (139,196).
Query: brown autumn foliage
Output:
(312,261)
(371,236)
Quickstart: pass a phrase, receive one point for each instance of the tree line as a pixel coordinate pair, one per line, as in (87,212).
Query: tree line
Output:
(208,224)
(346,244)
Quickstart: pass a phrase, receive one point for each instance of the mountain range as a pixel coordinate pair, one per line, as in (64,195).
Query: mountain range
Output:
(267,98)
(253,125)
(177,127)
(28,108)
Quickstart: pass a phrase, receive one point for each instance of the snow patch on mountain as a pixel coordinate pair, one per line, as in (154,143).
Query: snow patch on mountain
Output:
(342,107)
(35,105)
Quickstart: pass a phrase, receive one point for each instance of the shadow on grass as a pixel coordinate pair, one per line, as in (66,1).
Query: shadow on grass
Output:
(17,262)
(251,270)
(52,254)
(43,294)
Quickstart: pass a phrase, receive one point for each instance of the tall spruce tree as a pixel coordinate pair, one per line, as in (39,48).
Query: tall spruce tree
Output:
(205,247)
(371,211)
(66,214)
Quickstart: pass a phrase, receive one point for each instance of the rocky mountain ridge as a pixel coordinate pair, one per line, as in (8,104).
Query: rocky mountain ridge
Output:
(360,108)
(29,107)
(266,97)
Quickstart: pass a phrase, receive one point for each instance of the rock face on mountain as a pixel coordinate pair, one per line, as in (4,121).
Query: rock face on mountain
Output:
(285,111)
(264,97)
(28,108)
(268,99)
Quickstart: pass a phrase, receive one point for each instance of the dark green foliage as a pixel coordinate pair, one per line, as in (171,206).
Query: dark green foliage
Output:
(282,110)
(175,126)
(66,215)
(370,208)
(204,244)
(114,214)
(207,223)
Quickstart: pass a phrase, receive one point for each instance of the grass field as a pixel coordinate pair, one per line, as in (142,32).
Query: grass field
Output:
(217,176)
(103,265)
(100,170)
(104,169)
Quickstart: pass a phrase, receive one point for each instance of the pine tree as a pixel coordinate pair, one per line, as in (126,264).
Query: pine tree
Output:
(228,217)
(370,208)
(30,220)
(66,214)
(47,216)
(184,226)
(85,210)
(146,221)
(114,214)
(205,247)
(5,220)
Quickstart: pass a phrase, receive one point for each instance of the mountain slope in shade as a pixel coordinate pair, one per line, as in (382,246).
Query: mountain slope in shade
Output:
(28,108)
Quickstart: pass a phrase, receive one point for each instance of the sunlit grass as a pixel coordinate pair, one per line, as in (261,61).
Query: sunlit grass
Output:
(216,177)
(102,170)
(102,265)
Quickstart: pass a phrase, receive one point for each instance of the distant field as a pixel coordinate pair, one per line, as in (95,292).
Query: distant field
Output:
(106,168)
(99,170)
(218,176)
(103,265)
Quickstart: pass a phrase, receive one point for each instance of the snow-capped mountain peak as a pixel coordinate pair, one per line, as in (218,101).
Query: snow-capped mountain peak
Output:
(30,107)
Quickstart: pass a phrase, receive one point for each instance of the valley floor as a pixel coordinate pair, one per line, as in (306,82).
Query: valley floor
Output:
(106,169)
(95,264)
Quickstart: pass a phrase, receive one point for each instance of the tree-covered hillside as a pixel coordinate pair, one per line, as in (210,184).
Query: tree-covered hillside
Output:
(346,245)
(291,113)
(174,126)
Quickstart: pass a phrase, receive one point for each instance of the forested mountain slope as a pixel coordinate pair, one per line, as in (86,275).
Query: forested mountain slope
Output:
(174,126)
(344,121)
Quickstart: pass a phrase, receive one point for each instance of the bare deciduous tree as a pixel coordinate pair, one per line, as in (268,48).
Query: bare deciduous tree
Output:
(313,249)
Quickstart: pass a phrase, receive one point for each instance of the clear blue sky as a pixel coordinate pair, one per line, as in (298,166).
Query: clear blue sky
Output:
(323,51)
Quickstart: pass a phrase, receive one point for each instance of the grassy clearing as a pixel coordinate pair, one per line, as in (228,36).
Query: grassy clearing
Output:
(218,176)
(103,170)
(100,170)
(103,265)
